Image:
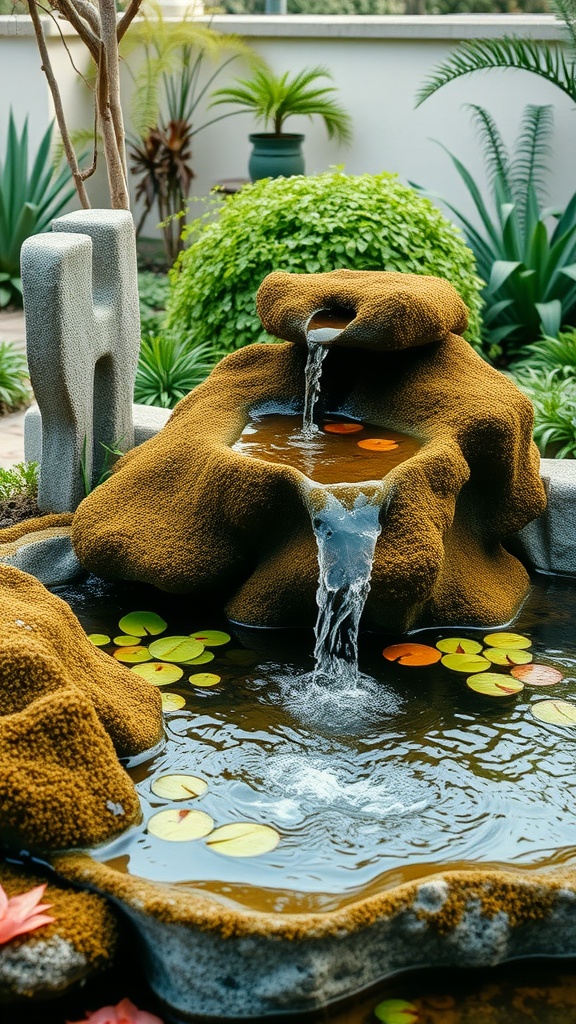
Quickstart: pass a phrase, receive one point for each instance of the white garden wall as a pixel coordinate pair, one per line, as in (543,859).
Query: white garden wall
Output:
(378,64)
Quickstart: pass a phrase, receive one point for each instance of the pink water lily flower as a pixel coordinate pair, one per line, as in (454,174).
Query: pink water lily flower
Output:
(123,1013)
(23,913)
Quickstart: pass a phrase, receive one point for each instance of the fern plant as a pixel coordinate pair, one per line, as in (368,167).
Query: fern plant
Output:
(524,252)
(540,58)
(553,395)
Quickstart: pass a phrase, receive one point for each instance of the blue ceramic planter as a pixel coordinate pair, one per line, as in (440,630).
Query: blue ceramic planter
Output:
(274,156)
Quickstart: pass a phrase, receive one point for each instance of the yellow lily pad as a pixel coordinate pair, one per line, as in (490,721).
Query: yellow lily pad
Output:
(396,1011)
(132,655)
(180,826)
(176,648)
(211,637)
(99,639)
(471,663)
(142,624)
(205,679)
(201,659)
(126,641)
(243,839)
(555,712)
(178,787)
(492,684)
(160,673)
(510,641)
(508,657)
(172,702)
(459,645)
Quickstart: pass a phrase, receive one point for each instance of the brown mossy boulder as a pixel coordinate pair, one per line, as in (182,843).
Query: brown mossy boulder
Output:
(67,712)
(187,513)
(80,943)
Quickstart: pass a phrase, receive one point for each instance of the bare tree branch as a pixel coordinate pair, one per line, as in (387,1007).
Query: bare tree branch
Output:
(67,8)
(50,14)
(59,110)
(90,170)
(108,21)
(128,17)
(116,178)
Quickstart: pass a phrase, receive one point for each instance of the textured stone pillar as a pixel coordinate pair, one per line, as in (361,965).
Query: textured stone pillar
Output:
(82,336)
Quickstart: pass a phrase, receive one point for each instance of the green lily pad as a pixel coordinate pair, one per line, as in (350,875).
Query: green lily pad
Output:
(172,702)
(160,673)
(555,712)
(205,679)
(459,645)
(492,684)
(211,637)
(142,624)
(243,839)
(126,641)
(178,787)
(180,826)
(471,663)
(99,639)
(396,1011)
(175,648)
(132,655)
(508,657)
(202,659)
(511,641)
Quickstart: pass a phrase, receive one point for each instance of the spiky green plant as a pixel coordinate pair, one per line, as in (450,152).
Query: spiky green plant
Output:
(30,198)
(274,98)
(550,354)
(530,269)
(553,396)
(168,369)
(539,57)
(14,390)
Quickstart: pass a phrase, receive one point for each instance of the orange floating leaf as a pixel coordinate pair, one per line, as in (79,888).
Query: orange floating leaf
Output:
(537,675)
(377,444)
(123,1013)
(23,913)
(343,428)
(412,654)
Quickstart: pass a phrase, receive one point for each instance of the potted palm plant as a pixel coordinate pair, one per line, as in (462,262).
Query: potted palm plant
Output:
(273,99)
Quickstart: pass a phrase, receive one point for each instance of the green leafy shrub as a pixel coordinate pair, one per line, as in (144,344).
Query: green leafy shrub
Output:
(30,199)
(14,390)
(553,395)
(306,225)
(20,480)
(153,292)
(168,369)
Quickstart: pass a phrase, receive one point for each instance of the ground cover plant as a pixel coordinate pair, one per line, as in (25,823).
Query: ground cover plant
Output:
(18,491)
(308,224)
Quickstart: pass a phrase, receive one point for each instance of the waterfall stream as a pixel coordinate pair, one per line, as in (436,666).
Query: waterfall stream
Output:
(312,374)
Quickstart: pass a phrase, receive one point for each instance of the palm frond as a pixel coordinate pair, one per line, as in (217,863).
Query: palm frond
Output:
(509,52)
(496,158)
(532,152)
(565,10)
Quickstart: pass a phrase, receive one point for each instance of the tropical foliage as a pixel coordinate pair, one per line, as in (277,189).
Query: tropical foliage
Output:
(529,269)
(274,98)
(308,224)
(30,198)
(548,377)
(169,368)
(14,390)
(153,294)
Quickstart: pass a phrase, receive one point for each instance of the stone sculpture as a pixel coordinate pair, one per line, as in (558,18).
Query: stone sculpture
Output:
(82,339)
(187,513)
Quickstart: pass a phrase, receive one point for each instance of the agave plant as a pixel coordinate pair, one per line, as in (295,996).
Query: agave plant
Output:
(540,58)
(168,369)
(29,201)
(274,98)
(530,270)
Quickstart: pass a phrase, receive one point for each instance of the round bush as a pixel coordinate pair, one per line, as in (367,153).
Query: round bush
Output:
(306,225)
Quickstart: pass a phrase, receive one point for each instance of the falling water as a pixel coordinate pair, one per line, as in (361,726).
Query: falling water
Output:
(312,374)
(346,541)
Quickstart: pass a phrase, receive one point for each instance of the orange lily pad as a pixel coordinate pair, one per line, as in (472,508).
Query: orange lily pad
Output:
(160,673)
(492,684)
(342,428)
(180,826)
(99,639)
(508,658)
(178,787)
(377,444)
(205,679)
(458,645)
(132,655)
(172,702)
(537,675)
(176,648)
(412,654)
(471,663)
(243,839)
(555,712)
(510,641)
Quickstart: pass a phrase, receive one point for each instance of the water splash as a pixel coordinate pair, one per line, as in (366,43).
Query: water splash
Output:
(312,374)
(346,540)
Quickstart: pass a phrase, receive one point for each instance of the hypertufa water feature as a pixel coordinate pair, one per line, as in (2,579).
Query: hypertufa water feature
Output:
(389,503)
